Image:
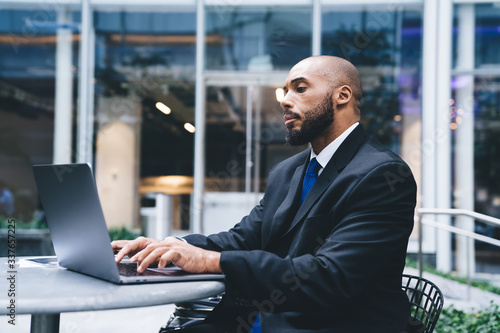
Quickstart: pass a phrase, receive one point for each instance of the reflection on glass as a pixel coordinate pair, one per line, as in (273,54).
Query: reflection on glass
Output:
(477,99)
(28,42)
(226,133)
(385,45)
(280,94)
(163,108)
(486,146)
(487,35)
(257,39)
(189,127)
(145,62)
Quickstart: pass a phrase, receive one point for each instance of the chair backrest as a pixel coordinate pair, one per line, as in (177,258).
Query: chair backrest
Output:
(426,300)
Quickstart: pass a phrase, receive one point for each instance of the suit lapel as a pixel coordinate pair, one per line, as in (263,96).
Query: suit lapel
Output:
(337,163)
(287,206)
(324,181)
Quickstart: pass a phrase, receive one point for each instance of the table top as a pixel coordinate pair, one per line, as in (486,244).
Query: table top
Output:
(48,288)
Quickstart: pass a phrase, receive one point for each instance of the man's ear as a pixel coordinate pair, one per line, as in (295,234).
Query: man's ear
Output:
(344,95)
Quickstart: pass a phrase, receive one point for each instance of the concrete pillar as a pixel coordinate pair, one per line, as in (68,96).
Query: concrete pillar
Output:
(64,91)
(443,138)
(464,144)
(199,136)
(164,214)
(116,162)
(428,145)
(316,28)
(249,136)
(85,130)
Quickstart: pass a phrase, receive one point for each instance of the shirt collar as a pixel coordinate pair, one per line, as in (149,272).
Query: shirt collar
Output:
(326,154)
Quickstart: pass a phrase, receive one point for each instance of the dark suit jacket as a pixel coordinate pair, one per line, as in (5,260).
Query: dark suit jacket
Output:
(334,264)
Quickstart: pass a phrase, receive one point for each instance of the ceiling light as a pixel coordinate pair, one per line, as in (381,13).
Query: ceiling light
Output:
(163,108)
(189,127)
(280,94)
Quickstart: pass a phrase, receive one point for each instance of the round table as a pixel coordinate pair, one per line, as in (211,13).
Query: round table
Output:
(45,290)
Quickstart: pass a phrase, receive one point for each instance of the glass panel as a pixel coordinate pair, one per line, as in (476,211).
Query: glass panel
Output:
(389,65)
(385,46)
(235,177)
(486,142)
(487,146)
(476,93)
(256,38)
(487,48)
(385,43)
(226,133)
(28,45)
(143,59)
(225,138)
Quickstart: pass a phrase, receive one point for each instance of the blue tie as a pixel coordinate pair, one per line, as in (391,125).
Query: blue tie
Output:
(256,325)
(309,178)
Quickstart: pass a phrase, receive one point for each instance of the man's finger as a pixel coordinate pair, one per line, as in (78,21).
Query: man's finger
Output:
(126,249)
(139,256)
(165,259)
(119,243)
(146,258)
(119,256)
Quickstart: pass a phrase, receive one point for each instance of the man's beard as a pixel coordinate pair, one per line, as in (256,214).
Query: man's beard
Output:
(314,123)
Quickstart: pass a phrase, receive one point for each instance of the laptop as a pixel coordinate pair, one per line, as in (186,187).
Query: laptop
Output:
(78,230)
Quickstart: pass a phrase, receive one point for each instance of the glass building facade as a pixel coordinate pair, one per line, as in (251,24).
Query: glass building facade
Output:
(81,81)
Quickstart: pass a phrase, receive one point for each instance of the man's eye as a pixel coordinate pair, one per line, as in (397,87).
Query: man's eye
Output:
(301,89)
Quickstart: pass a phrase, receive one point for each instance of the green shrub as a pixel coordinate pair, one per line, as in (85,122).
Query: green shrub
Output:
(453,320)
(35,223)
(122,233)
(41,223)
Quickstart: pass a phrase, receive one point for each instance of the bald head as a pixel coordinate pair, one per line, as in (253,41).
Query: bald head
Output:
(336,70)
(321,100)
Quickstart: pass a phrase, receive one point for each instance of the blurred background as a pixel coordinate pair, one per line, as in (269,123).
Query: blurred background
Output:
(175,104)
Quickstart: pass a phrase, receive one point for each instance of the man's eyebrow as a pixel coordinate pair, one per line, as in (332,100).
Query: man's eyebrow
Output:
(297,79)
(300,78)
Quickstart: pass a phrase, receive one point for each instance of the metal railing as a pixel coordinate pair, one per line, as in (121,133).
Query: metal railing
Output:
(454,212)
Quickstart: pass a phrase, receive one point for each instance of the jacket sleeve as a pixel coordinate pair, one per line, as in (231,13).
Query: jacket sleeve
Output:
(244,236)
(370,236)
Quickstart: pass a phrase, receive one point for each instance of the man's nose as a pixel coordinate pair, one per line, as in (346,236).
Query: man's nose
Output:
(286,103)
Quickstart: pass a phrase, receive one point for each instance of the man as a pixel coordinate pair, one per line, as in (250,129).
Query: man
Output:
(6,200)
(329,260)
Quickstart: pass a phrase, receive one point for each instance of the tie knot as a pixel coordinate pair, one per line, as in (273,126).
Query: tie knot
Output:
(313,167)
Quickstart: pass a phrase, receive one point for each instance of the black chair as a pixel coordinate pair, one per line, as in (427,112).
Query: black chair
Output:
(188,314)
(426,301)
(425,298)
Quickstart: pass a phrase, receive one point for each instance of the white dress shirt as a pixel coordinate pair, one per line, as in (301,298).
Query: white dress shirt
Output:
(326,154)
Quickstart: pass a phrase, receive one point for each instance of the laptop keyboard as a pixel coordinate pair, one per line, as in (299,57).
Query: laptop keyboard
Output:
(127,269)
(130,269)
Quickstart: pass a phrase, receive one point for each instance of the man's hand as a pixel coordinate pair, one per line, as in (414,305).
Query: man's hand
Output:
(190,258)
(130,247)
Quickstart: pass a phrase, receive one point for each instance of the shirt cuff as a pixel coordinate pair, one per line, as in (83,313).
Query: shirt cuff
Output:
(179,238)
